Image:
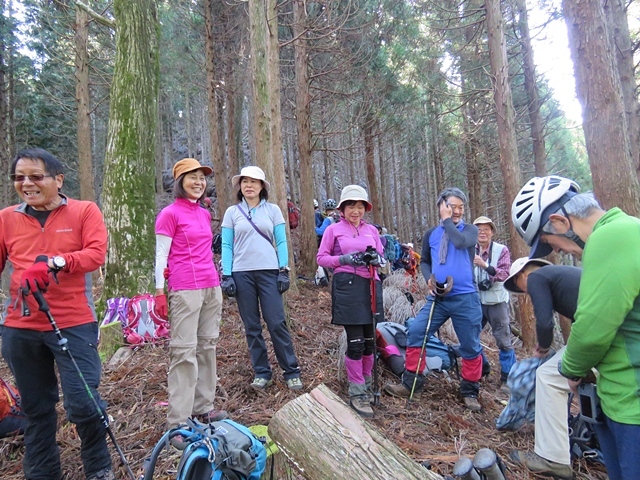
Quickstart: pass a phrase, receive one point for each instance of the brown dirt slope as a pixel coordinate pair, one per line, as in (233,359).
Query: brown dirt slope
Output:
(437,428)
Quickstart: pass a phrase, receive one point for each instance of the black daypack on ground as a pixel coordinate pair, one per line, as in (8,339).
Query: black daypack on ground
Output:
(224,450)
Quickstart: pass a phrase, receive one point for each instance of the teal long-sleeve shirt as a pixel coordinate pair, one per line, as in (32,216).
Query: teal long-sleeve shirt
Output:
(606,332)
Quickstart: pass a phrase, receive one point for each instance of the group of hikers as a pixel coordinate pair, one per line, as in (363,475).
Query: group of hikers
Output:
(53,243)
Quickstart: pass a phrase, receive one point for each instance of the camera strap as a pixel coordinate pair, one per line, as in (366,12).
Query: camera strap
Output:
(481,272)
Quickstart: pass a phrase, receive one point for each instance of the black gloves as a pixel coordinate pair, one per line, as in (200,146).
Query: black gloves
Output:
(283,280)
(354,259)
(228,286)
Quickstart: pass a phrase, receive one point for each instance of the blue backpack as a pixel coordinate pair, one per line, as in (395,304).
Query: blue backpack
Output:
(224,450)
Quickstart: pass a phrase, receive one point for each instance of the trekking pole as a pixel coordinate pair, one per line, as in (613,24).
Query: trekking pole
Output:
(62,342)
(422,350)
(374,319)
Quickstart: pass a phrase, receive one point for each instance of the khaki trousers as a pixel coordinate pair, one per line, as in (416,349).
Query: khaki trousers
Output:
(552,424)
(195,327)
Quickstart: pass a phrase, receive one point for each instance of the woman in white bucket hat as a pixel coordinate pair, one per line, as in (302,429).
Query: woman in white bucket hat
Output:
(255,270)
(342,247)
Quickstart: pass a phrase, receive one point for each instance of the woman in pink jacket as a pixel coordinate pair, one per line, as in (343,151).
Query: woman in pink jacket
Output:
(343,249)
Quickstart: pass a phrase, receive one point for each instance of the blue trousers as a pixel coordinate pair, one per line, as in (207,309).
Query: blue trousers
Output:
(620,446)
(257,291)
(31,356)
(465,312)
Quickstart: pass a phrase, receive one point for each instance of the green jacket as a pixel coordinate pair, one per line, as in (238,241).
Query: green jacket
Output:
(606,332)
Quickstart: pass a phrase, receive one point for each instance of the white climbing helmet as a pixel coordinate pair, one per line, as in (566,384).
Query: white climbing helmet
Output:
(536,200)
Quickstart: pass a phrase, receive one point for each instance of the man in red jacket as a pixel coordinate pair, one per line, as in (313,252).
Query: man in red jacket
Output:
(70,238)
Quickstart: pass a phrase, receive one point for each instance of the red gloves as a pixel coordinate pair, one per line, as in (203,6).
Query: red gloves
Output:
(160,307)
(36,277)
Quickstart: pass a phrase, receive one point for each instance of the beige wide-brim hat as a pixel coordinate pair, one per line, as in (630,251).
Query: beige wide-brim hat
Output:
(519,265)
(189,165)
(356,193)
(482,220)
(251,172)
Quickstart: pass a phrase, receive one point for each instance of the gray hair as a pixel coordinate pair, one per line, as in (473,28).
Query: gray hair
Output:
(451,192)
(581,205)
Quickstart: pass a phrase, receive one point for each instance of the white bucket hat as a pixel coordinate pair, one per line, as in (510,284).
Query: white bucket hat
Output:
(517,267)
(356,193)
(251,172)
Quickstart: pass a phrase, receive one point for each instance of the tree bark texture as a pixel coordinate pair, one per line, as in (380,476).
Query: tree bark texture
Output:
(129,177)
(265,63)
(303,127)
(214,126)
(533,100)
(325,439)
(616,17)
(5,160)
(615,180)
(83,109)
(507,140)
(370,160)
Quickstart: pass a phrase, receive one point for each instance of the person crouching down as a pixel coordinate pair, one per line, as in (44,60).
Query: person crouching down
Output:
(342,249)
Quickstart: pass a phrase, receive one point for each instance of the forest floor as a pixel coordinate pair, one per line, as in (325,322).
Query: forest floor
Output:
(436,429)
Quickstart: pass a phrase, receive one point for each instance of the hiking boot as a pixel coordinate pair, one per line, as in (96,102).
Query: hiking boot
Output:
(260,383)
(504,388)
(400,391)
(213,415)
(472,404)
(104,474)
(361,405)
(295,383)
(536,464)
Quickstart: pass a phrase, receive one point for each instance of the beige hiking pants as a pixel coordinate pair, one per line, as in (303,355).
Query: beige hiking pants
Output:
(195,328)
(551,424)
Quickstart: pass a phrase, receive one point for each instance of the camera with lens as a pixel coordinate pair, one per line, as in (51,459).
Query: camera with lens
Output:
(369,255)
(484,284)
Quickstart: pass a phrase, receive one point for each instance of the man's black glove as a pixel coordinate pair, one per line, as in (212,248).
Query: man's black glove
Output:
(283,280)
(354,259)
(228,286)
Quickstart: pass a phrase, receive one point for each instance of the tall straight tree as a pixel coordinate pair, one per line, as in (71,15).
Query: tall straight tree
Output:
(83,109)
(303,124)
(615,181)
(265,69)
(533,99)
(128,196)
(507,140)
(214,125)
(4,120)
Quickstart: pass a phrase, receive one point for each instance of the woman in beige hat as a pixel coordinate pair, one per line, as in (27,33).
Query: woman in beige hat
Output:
(183,243)
(342,249)
(255,269)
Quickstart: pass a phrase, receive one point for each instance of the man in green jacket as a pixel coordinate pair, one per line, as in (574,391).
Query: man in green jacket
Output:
(550,215)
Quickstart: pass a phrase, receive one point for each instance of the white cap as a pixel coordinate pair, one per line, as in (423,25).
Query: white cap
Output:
(356,193)
(251,172)
(517,267)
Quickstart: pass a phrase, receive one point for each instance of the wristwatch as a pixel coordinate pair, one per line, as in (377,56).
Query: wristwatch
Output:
(58,263)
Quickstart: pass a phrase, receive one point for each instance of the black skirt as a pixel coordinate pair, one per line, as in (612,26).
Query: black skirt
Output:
(351,300)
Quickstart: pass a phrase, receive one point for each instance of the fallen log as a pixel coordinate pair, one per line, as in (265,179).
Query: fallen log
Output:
(325,439)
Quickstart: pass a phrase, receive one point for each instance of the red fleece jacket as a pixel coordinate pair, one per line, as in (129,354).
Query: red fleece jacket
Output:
(75,231)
